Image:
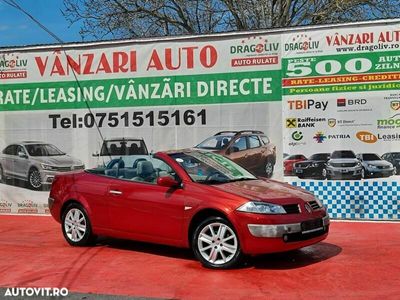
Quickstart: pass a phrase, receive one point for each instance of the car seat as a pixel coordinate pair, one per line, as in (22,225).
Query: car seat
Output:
(133,149)
(145,172)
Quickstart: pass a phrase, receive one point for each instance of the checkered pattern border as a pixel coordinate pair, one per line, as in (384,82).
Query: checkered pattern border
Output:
(366,200)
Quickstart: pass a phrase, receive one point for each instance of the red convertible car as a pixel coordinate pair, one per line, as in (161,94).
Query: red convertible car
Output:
(194,199)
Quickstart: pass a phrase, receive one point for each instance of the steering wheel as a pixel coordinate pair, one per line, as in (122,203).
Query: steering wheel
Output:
(215,174)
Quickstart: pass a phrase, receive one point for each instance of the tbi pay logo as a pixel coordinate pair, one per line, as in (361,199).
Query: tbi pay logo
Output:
(307,104)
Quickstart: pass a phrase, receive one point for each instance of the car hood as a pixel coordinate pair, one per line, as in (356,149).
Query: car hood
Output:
(59,160)
(267,191)
(378,163)
(312,161)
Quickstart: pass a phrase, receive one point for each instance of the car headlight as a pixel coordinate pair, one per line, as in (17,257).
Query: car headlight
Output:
(48,167)
(371,166)
(318,201)
(258,207)
(314,165)
(359,164)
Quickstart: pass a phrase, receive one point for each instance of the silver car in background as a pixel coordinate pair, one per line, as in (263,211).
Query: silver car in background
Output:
(35,162)
(343,164)
(374,166)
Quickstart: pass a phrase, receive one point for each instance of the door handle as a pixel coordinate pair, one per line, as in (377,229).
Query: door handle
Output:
(114,192)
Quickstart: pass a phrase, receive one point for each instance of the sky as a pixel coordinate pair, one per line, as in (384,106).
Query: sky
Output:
(16,29)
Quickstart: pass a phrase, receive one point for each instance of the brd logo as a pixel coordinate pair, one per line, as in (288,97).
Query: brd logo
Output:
(366,137)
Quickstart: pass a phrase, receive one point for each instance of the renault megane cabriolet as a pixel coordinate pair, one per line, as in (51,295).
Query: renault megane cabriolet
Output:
(194,198)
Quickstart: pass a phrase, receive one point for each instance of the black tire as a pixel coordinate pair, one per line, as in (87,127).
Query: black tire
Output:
(364,173)
(269,168)
(301,176)
(34,179)
(2,179)
(232,258)
(87,238)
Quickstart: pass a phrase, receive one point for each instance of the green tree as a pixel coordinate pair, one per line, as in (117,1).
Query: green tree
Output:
(103,19)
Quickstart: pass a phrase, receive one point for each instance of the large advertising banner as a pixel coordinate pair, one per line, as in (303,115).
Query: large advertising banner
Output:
(318,107)
(80,106)
(341,104)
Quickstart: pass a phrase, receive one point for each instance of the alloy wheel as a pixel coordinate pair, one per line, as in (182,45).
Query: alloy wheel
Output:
(269,168)
(75,225)
(35,179)
(217,243)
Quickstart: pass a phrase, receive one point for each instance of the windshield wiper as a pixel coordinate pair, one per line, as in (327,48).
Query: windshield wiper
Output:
(242,179)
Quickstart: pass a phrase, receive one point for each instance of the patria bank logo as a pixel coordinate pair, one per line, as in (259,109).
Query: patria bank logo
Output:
(319,137)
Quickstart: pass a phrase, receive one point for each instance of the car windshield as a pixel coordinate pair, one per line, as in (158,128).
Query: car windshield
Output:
(343,154)
(123,147)
(211,168)
(215,142)
(396,155)
(370,156)
(43,150)
(320,156)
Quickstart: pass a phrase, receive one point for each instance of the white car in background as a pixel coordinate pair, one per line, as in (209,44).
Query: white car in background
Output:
(35,162)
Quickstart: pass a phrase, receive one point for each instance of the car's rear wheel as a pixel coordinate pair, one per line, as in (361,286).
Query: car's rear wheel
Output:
(1,174)
(216,244)
(269,168)
(76,226)
(34,179)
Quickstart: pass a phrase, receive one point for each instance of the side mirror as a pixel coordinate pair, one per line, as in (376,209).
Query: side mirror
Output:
(168,181)
(95,154)
(22,155)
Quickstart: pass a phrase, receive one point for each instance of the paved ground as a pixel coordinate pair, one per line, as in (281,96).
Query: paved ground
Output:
(357,261)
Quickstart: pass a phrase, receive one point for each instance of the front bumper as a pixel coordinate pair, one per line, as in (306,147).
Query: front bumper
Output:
(375,172)
(308,171)
(262,234)
(282,230)
(349,172)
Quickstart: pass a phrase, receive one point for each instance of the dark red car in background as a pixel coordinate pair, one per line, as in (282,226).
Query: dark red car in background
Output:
(289,161)
(195,199)
(251,149)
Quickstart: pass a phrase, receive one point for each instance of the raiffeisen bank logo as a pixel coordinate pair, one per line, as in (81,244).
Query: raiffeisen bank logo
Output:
(301,43)
(255,45)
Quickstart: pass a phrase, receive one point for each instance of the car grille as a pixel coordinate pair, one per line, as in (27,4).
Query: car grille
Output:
(311,224)
(343,165)
(383,167)
(314,205)
(291,208)
(303,165)
(63,169)
(296,237)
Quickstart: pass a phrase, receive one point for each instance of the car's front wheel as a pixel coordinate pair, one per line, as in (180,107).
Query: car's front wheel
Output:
(76,226)
(216,244)
(34,179)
